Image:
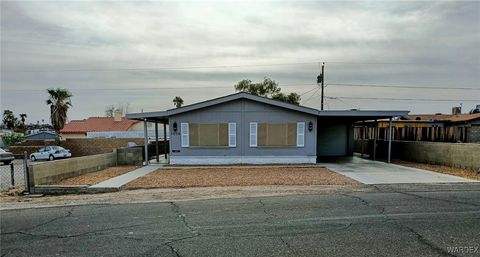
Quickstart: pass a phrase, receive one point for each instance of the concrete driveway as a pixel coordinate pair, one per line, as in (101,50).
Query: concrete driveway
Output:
(374,172)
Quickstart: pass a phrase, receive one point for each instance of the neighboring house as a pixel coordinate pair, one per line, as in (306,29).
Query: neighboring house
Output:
(243,128)
(428,127)
(42,135)
(80,128)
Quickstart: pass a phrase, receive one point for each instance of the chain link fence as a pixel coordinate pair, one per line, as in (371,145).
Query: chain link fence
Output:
(13,175)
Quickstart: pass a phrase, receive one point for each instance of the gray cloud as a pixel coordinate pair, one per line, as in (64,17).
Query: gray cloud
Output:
(88,45)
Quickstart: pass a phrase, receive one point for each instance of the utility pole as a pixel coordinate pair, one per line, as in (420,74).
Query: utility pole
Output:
(320,80)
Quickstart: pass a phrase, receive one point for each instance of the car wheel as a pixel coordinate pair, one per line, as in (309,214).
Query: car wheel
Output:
(32,158)
(51,157)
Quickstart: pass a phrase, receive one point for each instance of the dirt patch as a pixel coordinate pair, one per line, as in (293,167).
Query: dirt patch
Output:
(98,176)
(466,173)
(180,177)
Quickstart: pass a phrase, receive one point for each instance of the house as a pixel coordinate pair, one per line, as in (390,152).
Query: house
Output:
(244,128)
(42,135)
(82,128)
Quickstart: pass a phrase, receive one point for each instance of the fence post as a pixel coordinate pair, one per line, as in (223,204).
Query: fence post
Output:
(12,174)
(25,171)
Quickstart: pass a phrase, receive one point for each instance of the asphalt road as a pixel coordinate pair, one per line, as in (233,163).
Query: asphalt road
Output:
(399,221)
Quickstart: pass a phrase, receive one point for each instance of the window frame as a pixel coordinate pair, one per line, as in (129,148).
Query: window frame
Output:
(254,136)
(232,134)
(301,134)
(184,134)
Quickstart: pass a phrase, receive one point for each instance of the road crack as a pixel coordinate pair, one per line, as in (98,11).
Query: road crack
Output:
(176,209)
(269,214)
(76,235)
(423,240)
(69,213)
(380,209)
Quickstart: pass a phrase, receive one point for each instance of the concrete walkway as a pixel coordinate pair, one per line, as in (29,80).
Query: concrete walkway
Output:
(117,182)
(374,172)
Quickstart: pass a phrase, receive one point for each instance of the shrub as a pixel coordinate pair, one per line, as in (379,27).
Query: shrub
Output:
(12,139)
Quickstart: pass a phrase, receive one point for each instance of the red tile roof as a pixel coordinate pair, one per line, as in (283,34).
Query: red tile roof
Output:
(97,124)
(444,117)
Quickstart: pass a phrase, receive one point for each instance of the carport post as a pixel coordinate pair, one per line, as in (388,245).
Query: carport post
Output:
(375,131)
(165,149)
(389,140)
(145,140)
(363,137)
(156,142)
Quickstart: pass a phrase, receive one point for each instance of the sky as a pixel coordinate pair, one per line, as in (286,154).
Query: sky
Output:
(145,53)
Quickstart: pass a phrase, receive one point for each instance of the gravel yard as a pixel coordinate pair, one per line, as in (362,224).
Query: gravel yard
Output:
(180,177)
(441,169)
(98,176)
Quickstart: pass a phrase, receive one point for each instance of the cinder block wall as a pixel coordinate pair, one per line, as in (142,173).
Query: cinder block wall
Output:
(130,156)
(463,155)
(473,134)
(48,173)
(449,154)
(89,146)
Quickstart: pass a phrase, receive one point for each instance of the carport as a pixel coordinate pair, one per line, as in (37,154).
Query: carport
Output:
(156,118)
(335,134)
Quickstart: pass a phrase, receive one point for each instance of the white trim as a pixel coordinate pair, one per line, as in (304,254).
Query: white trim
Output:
(220,160)
(232,134)
(253,134)
(300,134)
(184,131)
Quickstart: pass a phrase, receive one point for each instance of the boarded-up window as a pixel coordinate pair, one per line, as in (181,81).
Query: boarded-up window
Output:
(208,135)
(277,134)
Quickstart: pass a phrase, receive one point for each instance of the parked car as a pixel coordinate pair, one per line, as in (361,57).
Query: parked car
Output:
(50,153)
(6,157)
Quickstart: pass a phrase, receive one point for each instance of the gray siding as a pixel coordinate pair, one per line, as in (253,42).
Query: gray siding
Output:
(243,112)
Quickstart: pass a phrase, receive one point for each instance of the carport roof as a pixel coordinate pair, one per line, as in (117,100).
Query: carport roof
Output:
(162,116)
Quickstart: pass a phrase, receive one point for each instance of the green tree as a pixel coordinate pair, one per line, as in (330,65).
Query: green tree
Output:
(267,88)
(23,118)
(59,101)
(292,98)
(110,110)
(9,119)
(12,139)
(178,101)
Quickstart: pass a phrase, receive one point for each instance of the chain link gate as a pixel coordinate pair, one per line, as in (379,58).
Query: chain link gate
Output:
(15,174)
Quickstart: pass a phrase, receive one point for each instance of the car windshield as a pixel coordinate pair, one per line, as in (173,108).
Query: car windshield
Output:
(2,151)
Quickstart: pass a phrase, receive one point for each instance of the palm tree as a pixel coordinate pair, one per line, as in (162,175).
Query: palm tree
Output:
(59,101)
(23,117)
(178,101)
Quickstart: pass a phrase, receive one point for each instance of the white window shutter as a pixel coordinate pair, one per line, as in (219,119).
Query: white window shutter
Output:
(253,134)
(232,134)
(185,134)
(300,134)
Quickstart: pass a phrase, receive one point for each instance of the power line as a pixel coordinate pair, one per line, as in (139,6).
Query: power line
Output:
(219,66)
(403,99)
(168,68)
(308,91)
(402,86)
(316,91)
(154,88)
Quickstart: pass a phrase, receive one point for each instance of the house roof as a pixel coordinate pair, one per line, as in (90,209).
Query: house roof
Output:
(42,132)
(443,117)
(162,116)
(97,124)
